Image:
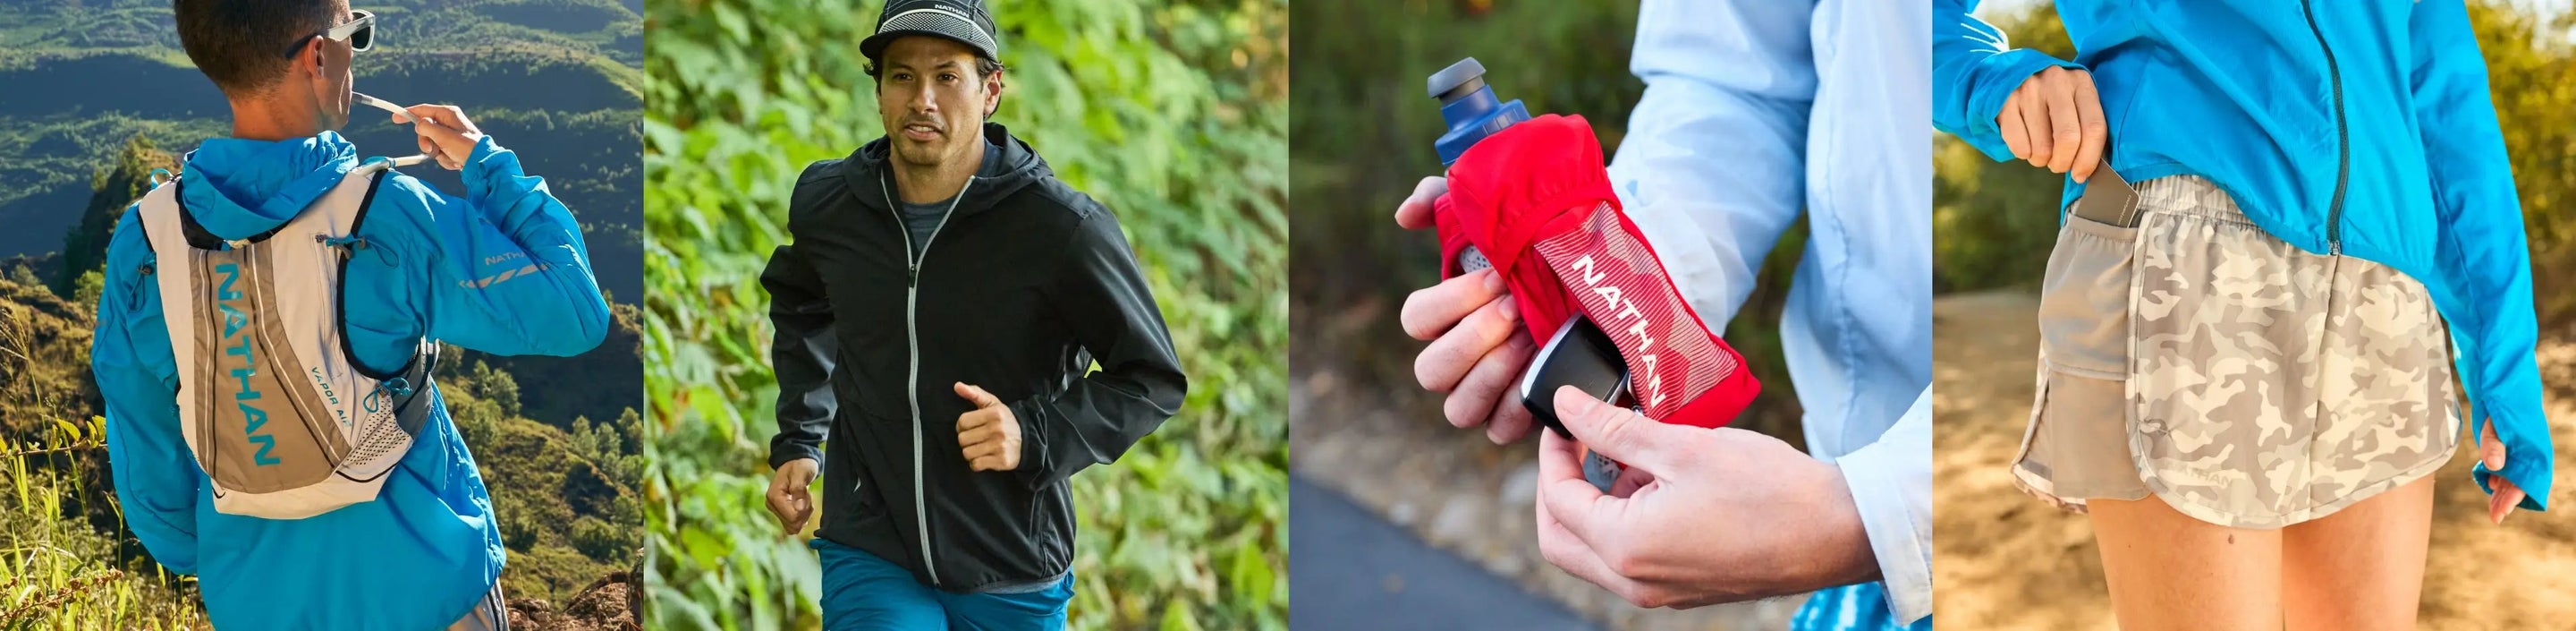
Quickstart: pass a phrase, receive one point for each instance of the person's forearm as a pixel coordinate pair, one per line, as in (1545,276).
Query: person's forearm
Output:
(1973,70)
(1836,552)
(1889,484)
(801,354)
(516,276)
(2483,251)
(1097,420)
(1102,294)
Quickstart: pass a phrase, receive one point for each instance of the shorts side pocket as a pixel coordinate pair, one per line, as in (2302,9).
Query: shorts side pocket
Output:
(2084,299)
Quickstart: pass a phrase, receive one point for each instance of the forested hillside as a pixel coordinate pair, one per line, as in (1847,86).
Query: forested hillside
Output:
(94,95)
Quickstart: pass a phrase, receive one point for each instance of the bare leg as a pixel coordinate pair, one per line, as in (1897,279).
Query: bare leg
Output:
(2167,570)
(2361,568)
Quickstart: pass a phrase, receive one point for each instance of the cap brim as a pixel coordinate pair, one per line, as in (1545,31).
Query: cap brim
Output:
(931,23)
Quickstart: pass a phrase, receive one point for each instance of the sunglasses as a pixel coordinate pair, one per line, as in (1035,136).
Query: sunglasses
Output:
(360,33)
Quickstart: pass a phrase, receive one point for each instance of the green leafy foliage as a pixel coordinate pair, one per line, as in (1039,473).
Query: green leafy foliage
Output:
(1171,112)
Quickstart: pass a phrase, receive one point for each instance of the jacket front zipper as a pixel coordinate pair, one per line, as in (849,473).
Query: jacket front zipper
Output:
(912,351)
(2343,136)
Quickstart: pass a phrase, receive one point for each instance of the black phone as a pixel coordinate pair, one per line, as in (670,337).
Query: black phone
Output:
(1579,355)
(2108,198)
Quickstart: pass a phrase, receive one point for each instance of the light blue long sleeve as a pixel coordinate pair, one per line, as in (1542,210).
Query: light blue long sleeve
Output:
(1743,130)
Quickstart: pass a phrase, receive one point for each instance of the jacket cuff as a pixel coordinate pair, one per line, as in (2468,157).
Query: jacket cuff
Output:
(780,454)
(1891,488)
(1033,442)
(489,166)
(2011,68)
(2527,463)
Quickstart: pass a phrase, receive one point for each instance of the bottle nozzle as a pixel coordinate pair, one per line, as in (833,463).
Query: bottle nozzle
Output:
(1457,81)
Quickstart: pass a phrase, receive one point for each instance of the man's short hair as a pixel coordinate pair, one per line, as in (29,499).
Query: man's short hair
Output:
(984,67)
(242,44)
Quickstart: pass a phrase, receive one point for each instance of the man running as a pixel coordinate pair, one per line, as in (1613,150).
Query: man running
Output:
(936,316)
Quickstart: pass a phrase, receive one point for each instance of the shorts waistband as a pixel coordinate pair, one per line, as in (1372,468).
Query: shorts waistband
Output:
(2189,195)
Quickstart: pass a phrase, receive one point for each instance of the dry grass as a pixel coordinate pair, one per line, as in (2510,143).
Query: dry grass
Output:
(57,573)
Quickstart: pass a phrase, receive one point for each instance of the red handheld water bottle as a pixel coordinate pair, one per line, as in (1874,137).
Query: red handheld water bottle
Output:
(1531,198)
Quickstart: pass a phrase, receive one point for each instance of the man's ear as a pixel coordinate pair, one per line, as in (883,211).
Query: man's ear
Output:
(993,93)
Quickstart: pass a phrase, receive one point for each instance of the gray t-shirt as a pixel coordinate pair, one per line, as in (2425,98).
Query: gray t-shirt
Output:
(922,220)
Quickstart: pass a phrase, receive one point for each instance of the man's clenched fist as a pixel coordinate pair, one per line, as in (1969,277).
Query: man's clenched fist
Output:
(789,498)
(989,434)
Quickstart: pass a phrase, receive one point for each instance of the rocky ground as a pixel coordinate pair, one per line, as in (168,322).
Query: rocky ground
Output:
(614,603)
(2004,561)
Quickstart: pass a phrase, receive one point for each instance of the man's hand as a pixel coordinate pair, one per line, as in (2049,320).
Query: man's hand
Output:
(789,496)
(2507,496)
(1478,346)
(1718,515)
(2054,120)
(989,434)
(444,132)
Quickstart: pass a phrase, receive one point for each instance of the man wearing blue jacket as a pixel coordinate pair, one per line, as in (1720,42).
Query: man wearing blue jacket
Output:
(2358,142)
(502,269)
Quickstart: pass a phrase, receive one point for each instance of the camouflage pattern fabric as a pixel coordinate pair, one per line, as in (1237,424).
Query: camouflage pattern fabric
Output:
(490,614)
(2265,385)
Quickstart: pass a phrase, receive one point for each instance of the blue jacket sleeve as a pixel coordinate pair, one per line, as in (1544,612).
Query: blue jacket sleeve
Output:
(2482,250)
(508,271)
(1713,165)
(1973,71)
(155,473)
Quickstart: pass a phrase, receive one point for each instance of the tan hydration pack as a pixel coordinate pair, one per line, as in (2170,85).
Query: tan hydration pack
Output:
(281,416)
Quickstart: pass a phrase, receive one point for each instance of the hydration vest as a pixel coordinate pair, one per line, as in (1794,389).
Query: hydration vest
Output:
(280,414)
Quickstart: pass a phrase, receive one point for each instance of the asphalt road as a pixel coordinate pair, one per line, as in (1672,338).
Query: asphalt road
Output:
(1351,569)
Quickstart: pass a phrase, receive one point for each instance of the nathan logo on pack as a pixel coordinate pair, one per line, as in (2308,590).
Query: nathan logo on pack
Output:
(281,417)
(237,343)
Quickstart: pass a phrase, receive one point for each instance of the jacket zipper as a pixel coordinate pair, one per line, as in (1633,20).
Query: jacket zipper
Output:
(2343,136)
(912,350)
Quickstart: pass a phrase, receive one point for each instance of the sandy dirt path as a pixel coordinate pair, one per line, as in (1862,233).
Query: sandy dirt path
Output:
(2002,560)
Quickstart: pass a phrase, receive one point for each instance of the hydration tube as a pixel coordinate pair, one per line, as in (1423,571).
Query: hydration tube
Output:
(381,162)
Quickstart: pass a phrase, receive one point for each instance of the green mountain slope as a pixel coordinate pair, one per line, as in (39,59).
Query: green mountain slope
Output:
(93,96)
(556,80)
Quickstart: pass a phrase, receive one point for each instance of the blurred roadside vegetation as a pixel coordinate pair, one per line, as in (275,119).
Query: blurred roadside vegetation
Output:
(1364,126)
(1172,112)
(1993,225)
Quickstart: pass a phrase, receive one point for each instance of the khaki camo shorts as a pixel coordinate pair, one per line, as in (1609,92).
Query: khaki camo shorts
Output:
(2244,381)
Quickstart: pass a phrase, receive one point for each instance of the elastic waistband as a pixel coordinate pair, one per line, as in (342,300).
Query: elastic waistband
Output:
(2189,195)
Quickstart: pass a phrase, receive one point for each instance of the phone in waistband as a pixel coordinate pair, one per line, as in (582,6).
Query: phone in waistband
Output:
(2108,198)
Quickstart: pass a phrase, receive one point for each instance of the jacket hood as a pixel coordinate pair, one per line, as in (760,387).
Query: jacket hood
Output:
(238,188)
(1018,167)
